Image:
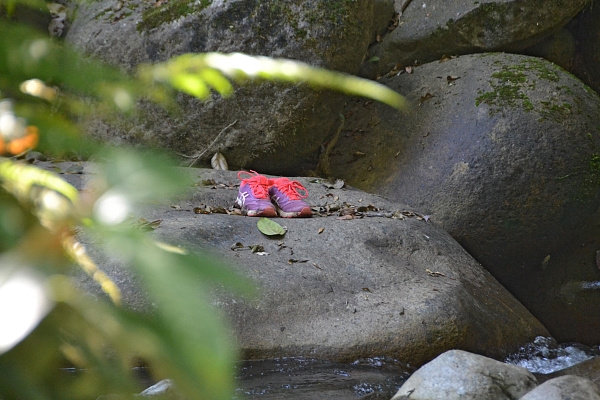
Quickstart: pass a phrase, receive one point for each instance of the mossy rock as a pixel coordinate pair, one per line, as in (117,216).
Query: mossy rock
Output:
(278,126)
(501,150)
(428,30)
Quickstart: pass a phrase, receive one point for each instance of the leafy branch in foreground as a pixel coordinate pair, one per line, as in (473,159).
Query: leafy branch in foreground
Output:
(41,218)
(196,74)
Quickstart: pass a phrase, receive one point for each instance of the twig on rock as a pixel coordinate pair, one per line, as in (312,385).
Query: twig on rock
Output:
(196,158)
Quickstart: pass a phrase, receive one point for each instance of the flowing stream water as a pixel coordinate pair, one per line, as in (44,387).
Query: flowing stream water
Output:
(377,378)
(302,378)
(299,378)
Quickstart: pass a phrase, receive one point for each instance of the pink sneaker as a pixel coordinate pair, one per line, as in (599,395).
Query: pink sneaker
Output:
(253,197)
(288,197)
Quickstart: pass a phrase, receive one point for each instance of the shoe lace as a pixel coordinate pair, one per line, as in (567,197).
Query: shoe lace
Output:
(292,189)
(258,183)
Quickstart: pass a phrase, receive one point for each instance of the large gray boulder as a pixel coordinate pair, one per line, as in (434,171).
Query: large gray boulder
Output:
(460,375)
(567,387)
(381,281)
(503,151)
(278,126)
(427,30)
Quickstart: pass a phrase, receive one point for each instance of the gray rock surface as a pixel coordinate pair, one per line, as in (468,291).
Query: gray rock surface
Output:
(384,283)
(278,126)
(589,46)
(567,387)
(589,370)
(427,30)
(503,152)
(460,375)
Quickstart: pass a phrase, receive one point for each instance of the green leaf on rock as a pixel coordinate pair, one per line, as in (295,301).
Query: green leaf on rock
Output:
(269,227)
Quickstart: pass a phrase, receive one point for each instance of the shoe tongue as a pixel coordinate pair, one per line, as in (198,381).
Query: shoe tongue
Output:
(259,184)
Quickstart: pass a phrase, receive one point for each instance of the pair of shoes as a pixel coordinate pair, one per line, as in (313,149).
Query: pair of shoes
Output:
(260,196)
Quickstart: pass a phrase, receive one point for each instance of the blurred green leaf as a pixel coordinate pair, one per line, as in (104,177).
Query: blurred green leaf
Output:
(200,357)
(241,67)
(20,180)
(191,84)
(58,135)
(143,175)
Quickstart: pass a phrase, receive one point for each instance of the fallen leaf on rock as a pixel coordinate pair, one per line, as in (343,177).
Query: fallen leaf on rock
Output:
(446,57)
(452,78)
(145,225)
(262,253)
(394,21)
(256,248)
(425,98)
(269,227)
(434,274)
(373,59)
(237,246)
(332,207)
(316,266)
(320,230)
(218,161)
(209,182)
(346,217)
(546,261)
(293,261)
(370,207)
(359,154)
(202,210)
(408,69)
(219,210)
(338,184)
(397,154)
(366,289)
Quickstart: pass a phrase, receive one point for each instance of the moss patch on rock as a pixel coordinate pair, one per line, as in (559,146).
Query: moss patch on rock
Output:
(512,83)
(169,12)
(508,90)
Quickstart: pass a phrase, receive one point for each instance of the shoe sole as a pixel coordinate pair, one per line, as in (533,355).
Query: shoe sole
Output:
(306,212)
(270,212)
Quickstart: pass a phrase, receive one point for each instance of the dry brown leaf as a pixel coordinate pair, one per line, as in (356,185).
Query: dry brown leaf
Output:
(446,57)
(237,246)
(425,98)
(434,274)
(218,161)
(320,230)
